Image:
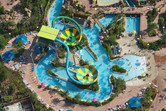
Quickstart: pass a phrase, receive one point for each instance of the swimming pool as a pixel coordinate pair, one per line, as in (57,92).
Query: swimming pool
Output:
(132,23)
(107,2)
(103,64)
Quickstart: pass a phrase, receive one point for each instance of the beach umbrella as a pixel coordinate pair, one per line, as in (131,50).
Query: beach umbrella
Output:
(143,74)
(133,31)
(135,102)
(91,63)
(45,18)
(8,55)
(101,37)
(94,99)
(42,84)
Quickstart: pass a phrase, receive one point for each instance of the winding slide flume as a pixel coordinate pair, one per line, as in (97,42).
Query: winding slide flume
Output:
(87,74)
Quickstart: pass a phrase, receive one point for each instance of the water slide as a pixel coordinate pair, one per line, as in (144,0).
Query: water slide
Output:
(79,47)
(87,77)
(67,60)
(132,3)
(72,37)
(127,3)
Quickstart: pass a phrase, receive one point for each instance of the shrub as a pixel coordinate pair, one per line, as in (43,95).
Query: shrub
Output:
(12,89)
(142,44)
(8,99)
(118,84)
(82,62)
(50,72)
(161,21)
(117,68)
(163,109)
(2,10)
(18,44)
(77,97)
(94,86)
(2,42)
(152,33)
(149,94)
(61,54)
(4,74)
(18,52)
(33,98)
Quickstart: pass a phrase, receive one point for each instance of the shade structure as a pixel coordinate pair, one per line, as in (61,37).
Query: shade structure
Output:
(91,63)
(101,37)
(21,38)
(133,31)
(48,32)
(135,102)
(8,55)
(143,74)
(42,84)
(87,74)
(71,36)
(94,99)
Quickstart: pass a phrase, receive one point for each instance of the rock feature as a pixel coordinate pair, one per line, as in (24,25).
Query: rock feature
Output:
(28,11)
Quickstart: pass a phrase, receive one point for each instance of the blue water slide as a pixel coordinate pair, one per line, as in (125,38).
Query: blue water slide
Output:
(67,61)
(132,3)
(127,3)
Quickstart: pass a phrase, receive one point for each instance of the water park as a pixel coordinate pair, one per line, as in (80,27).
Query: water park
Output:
(78,62)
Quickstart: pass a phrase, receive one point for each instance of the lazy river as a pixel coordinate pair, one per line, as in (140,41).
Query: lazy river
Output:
(103,64)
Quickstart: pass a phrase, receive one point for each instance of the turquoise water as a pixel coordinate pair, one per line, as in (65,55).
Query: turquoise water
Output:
(107,2)
(133,23)
(103,64)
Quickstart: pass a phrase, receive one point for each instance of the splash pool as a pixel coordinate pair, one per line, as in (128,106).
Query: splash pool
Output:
(132,23)
(103,64)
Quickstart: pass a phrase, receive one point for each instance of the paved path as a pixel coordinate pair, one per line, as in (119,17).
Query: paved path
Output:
(160,81)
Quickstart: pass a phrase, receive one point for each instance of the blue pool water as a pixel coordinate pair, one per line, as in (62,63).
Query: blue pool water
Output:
(103,64)
(133,23)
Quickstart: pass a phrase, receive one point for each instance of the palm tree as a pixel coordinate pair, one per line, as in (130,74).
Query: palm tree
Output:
(77,97)
(65,93)
(57,88)
(152,26)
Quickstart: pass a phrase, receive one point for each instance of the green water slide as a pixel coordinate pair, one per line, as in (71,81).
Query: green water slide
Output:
(71,36)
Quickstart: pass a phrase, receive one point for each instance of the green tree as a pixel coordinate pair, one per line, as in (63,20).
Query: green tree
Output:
(163,109)
(12,88)
(152,26)
(18,44)
(4,74)
(57,88)
(164,38)
(2,42)
(2,10)
(33,98)
(161,21)
(65,93)
(77,97)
